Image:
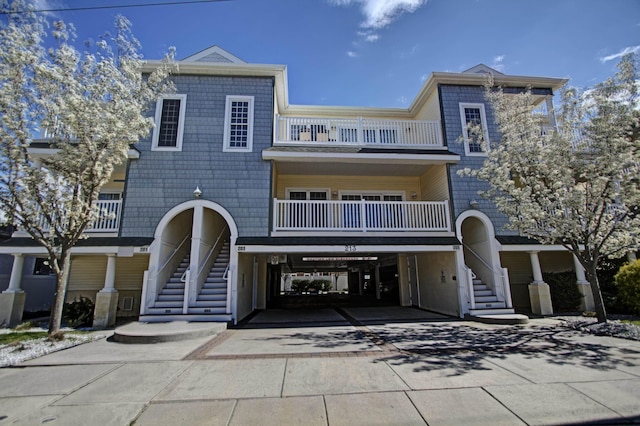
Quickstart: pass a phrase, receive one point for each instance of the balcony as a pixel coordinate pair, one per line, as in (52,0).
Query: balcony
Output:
(361,216)
(307,131)
(108,218)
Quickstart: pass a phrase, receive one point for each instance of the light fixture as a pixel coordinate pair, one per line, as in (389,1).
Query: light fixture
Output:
(473,204)
(414,195)
(196,192)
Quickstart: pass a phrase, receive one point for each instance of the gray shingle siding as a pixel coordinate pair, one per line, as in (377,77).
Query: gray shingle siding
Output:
(238,181)
(463,188)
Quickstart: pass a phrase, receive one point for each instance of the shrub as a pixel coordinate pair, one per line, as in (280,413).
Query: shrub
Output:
(565,295)
(628,283)
(79,313)
(320,285)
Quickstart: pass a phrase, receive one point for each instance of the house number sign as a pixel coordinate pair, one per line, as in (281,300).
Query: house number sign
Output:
(350,248)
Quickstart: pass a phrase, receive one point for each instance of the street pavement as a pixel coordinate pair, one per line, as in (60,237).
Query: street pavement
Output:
(354,366)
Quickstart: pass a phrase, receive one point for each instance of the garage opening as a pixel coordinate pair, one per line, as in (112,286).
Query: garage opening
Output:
(326,280)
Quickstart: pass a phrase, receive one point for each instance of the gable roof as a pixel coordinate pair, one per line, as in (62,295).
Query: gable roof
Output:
(482,69)
(214,54)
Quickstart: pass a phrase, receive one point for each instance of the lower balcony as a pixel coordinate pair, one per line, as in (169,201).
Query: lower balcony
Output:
(361,216)
(108,221)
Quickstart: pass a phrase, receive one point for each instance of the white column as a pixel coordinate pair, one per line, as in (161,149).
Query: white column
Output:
(535,267)
(110,276)
(580,275)
(16,274)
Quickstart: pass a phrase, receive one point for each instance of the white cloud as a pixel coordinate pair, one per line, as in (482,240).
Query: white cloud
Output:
(351,54)
(402,100)
(369,36)
(498,63)
(380,13)
(620,54)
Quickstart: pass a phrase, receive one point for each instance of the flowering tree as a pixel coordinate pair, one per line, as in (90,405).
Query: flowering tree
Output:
(576,185)
(92,107)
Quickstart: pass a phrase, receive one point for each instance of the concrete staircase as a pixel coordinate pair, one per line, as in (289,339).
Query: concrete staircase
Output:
(171,299)
(486,301)
(212,298)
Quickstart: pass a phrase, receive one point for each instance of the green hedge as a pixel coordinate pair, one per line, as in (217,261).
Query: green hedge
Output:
(565,295)
(627,281)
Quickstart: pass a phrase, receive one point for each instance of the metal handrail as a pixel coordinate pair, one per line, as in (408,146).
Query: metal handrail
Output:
(178,247)
(499,284)
(211,250)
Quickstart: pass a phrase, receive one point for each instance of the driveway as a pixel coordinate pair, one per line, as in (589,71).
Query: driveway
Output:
(353,366)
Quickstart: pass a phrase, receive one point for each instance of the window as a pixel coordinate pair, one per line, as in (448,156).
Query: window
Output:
(42,267)
(238,124)
(314,195)
(168,131)
(473,115)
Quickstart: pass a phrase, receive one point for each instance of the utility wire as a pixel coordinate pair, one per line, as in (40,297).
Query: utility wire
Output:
(69,9)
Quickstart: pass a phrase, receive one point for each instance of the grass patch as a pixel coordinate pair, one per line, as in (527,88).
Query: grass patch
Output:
(21,336)
(634,322)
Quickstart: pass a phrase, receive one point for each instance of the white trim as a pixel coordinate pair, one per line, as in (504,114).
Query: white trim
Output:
(531,247)
(463,122)
(355,157)
(327,191)
(212,50)
(361,248)
(227,124)
(158,117)
(362,234)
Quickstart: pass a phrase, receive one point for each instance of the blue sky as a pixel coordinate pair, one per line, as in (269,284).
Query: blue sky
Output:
(379,52)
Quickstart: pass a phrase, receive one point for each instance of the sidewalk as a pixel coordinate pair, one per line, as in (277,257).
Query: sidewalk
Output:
(362,366)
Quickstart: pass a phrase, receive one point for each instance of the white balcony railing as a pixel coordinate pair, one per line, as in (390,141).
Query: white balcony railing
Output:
(358,131)
(108,217)
(361,216)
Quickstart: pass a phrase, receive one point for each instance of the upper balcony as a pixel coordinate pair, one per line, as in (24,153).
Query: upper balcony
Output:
(358,132)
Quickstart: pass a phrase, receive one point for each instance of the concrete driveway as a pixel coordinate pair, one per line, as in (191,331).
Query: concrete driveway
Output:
(357,366)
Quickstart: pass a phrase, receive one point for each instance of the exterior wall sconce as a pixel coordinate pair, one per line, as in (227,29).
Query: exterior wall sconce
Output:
(414,195)
(473,204)
(196,192)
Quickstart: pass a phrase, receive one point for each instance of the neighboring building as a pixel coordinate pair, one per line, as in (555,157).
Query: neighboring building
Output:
(237,189)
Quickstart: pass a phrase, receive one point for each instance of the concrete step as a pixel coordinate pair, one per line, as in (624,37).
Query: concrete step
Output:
(168,304)
(208,311)
(480,287)
(176,280)
(491,305)
(212,297)
(486,299)
(477,293)
(177,329)
(209,304)
(507,319)
(167,291)
(174,285)
(207,291)
(477,281)
(170,297)
(164,311)
(503,311)
(215,282)
(152,318)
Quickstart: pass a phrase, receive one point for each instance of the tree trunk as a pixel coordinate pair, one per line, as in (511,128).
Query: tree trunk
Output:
(597,294)
(62,278)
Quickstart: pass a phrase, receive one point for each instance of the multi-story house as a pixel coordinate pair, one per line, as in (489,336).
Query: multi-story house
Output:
(237,191)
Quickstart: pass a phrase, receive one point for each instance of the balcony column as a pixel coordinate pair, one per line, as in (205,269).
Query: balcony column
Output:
(539,293)
(107,298)
(586,303)
(13,298)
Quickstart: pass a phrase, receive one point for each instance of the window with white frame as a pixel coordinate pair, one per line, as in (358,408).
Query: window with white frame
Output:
(473,116)
(238,124)
(169,128)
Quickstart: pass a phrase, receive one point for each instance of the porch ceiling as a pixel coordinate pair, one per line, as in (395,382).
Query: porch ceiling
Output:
(327,168)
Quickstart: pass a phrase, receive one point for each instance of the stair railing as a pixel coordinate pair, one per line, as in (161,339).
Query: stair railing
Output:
(499,284)
(154,280)
(469,277)
(211,251)
(207,263)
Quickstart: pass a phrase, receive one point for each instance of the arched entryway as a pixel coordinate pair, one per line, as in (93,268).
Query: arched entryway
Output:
(487,286)
(192,264)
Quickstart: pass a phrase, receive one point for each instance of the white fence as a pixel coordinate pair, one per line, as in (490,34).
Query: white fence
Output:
(361,216)
(358,131)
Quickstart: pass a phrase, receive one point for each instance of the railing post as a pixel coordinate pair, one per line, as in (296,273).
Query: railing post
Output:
(187,287)
(276,213)
(507,288)
(363,215)
(472,300)
(360,134)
